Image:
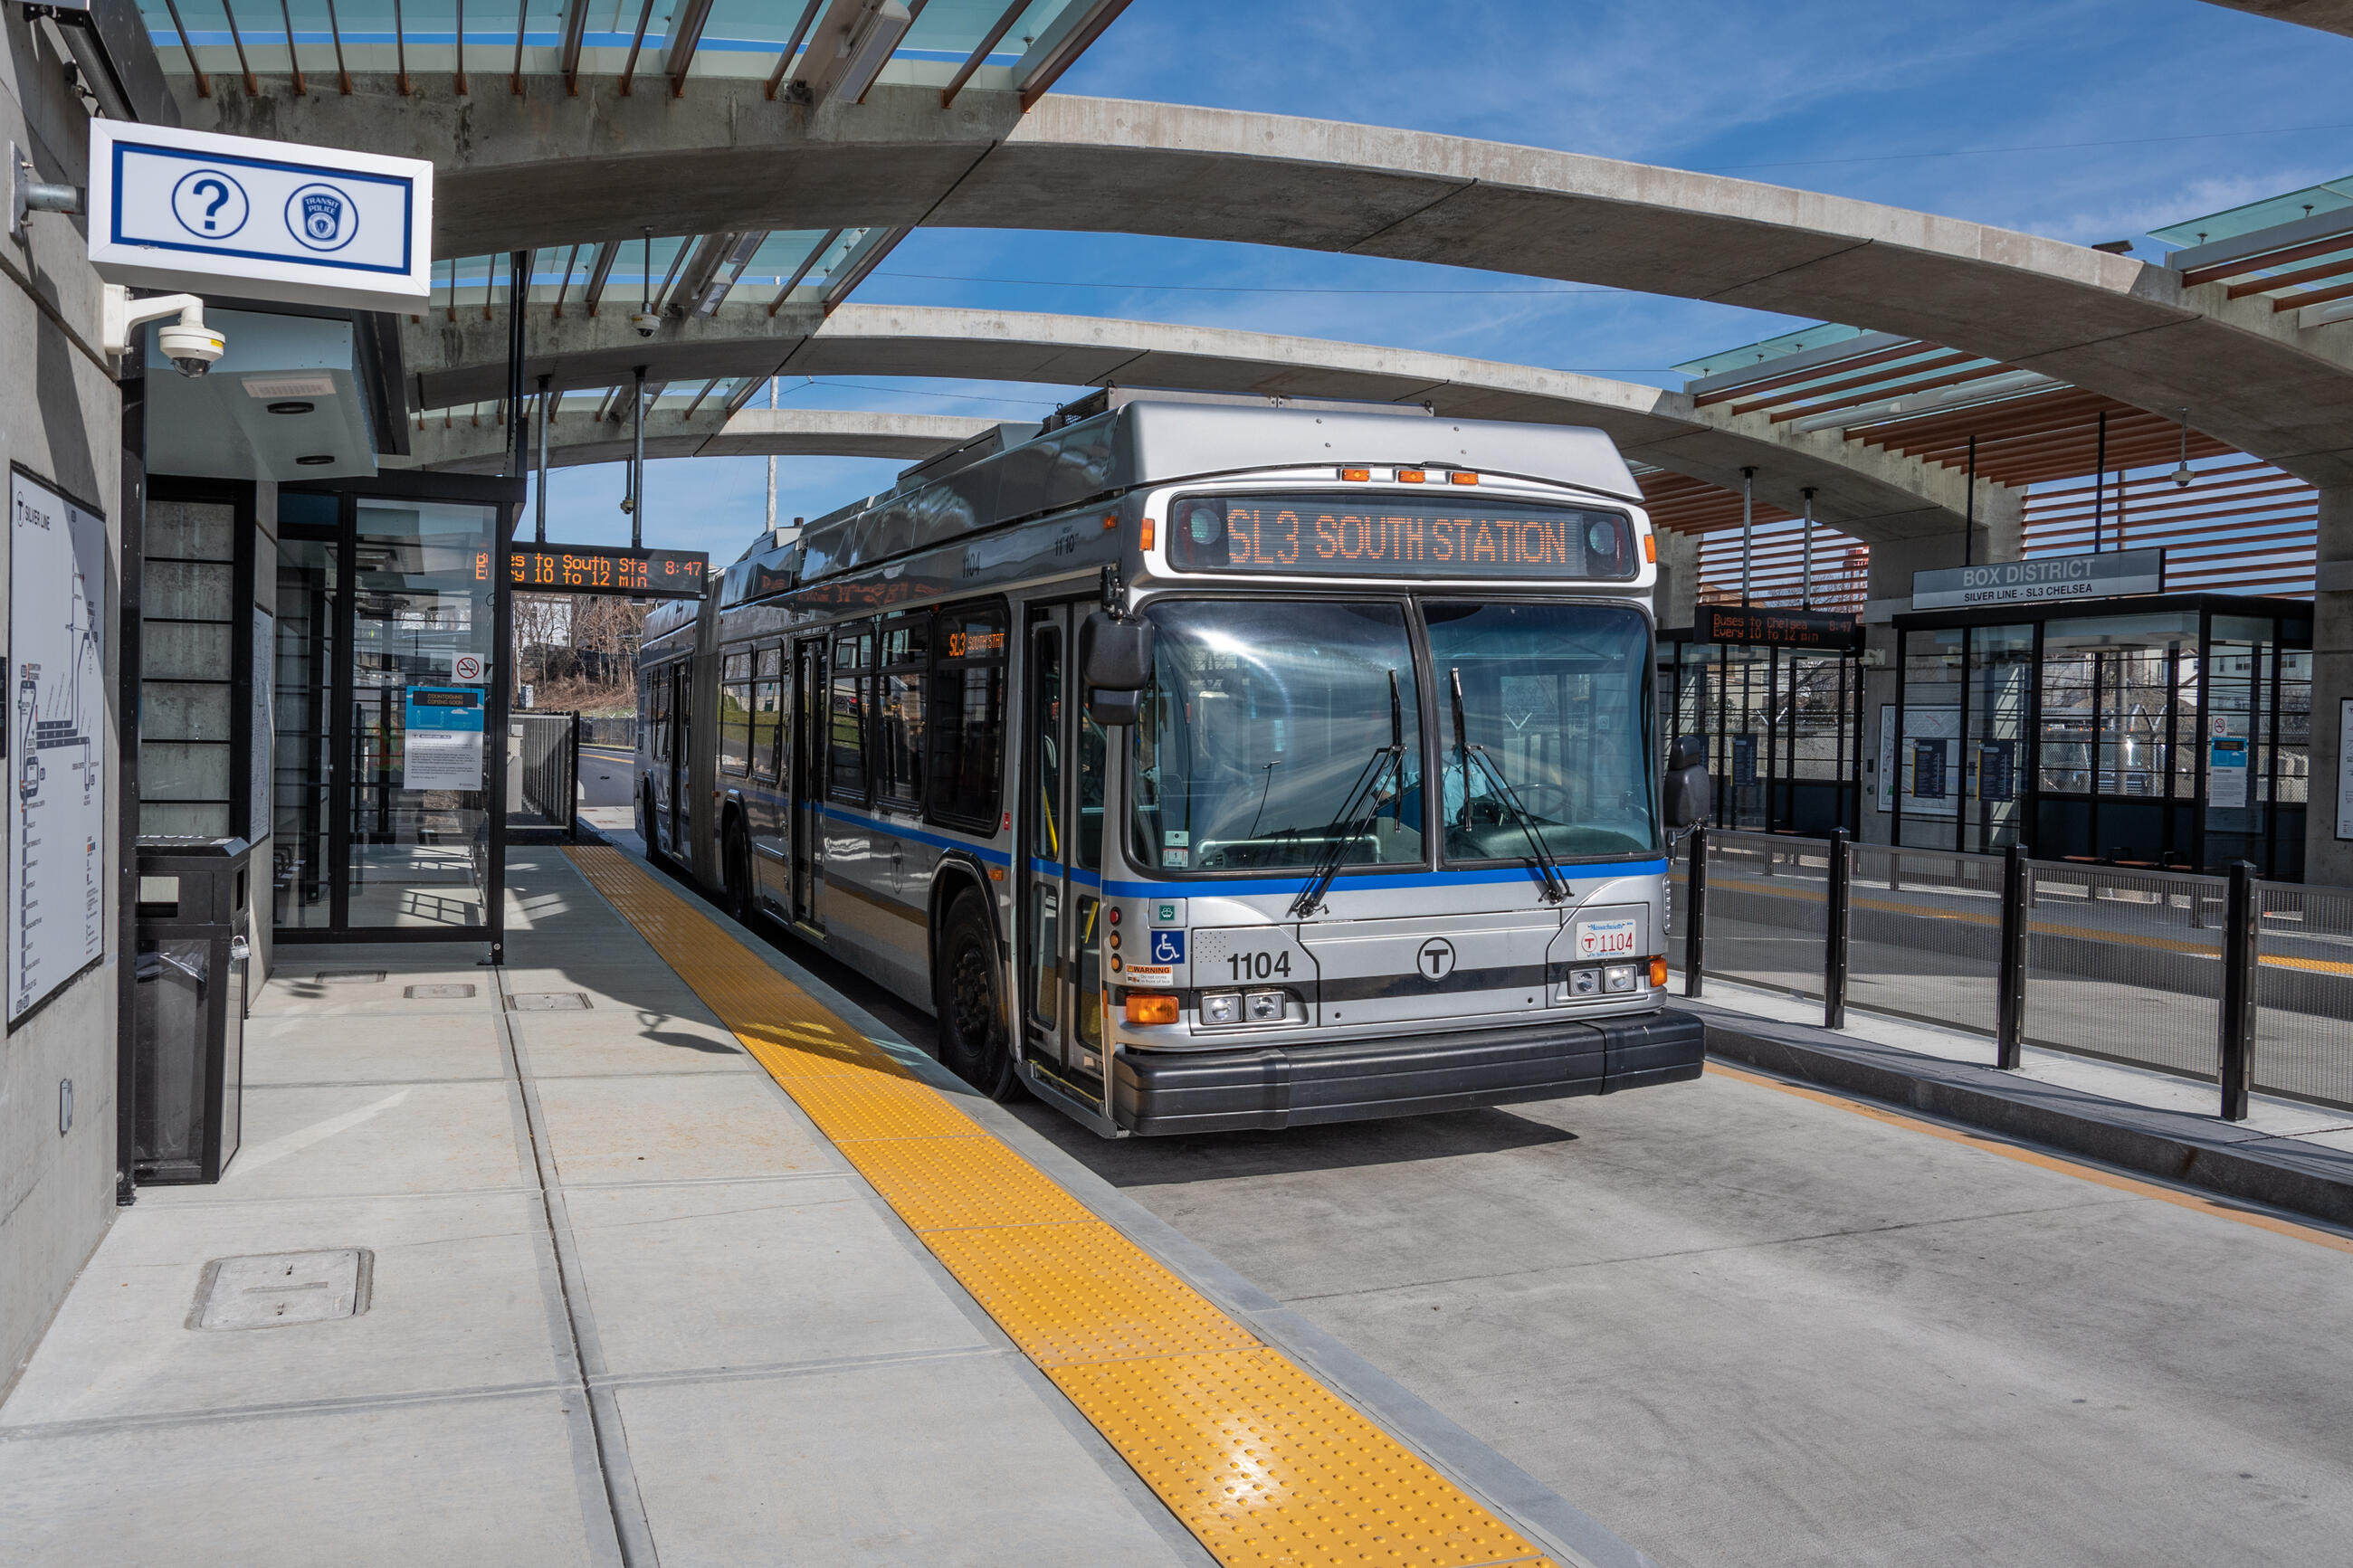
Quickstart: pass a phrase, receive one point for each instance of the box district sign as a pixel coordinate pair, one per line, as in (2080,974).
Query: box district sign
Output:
(2109,575)
(316,226)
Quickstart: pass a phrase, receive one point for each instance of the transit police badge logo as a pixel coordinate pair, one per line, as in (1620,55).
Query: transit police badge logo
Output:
(322,218)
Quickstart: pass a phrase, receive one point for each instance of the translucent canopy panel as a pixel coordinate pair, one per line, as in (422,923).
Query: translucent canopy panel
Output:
(2269,213)
(738,38)
(1816,336)
(660,270)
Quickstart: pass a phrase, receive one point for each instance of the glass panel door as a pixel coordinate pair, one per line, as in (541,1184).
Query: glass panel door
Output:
(309,613)
(423,646)
(1063,804)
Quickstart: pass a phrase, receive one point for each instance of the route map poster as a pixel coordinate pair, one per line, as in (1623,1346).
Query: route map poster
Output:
(56,741)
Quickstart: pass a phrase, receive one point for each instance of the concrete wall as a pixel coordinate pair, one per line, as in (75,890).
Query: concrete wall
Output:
(61,415)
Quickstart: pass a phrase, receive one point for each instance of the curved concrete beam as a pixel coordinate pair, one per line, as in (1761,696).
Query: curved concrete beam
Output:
(579,436)
(1871,494)
(2327,16)
(539,169)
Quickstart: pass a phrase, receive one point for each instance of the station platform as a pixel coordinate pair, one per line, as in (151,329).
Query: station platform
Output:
(650,1248)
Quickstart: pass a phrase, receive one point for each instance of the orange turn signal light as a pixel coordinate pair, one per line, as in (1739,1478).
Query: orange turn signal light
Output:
(1410,475)
(1143,537)
(1356,476)
(1150,1008)
(1463,478)
(1649,544)
(1657,972)
(1111,520)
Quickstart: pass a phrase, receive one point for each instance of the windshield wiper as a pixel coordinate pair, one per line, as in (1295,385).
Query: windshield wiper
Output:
(1555,880)
(1352,819)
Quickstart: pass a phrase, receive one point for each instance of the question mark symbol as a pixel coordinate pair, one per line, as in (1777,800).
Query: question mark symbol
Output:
(220,197)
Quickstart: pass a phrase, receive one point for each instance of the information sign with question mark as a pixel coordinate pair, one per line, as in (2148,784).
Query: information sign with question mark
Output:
(210,204)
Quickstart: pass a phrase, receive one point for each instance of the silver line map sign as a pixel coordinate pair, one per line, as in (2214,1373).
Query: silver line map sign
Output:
(56,741)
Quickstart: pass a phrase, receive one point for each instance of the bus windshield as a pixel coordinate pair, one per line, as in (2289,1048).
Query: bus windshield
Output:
(1268,734)
(1553,705)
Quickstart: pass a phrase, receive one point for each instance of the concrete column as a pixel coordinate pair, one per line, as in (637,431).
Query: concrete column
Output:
(1678,591)
(1999,536)
(2328,859)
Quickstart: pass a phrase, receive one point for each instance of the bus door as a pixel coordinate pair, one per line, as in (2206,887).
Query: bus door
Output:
(1059,897)
(682,742)
(805,776)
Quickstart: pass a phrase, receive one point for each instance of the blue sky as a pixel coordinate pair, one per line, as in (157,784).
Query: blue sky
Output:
(2086,120)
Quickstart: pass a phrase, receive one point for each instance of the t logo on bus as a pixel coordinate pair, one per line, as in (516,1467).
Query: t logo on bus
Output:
(1437,958)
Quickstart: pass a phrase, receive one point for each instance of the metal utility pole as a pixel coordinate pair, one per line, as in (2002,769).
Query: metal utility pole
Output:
(771,466)
(1806,577)
(2099,485)
(1970,525)
(635,504)
(1747,528)
(539,534)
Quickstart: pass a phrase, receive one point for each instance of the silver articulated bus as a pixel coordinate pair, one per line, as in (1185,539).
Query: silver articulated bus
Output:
(1204,763)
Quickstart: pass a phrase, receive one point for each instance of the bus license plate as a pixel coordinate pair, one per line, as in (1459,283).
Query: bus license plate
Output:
(1605,939)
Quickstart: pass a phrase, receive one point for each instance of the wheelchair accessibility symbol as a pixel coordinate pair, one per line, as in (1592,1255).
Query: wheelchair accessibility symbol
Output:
(1168,947)
(322,218)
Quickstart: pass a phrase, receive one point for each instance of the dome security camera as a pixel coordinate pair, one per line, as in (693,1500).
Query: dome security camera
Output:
(644,321)
(187,342)
(190,349)
(2183,475)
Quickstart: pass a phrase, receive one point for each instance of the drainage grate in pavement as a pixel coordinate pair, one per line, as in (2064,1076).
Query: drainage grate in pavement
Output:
(349,976)
(275,1288)
(549,1002)
(438,993)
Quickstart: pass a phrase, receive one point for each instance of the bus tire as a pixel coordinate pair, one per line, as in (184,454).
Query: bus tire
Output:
(646,835)
(969,991)
(735,872)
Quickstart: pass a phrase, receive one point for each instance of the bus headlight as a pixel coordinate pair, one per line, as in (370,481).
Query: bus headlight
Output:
(1222,1007)
(1618,977)
(1265,1007)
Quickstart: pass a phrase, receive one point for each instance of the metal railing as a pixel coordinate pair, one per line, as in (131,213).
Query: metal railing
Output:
(551,767)
(2240,983)
(609,729)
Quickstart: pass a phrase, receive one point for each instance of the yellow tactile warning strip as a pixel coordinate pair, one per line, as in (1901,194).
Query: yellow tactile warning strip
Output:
(2221,1208)
(1264,1465)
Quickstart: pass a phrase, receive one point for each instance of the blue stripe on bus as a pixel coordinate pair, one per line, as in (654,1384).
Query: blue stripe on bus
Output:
(897,830)
(1208,888)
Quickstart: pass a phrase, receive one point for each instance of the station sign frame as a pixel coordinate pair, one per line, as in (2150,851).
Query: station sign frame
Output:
(198,211)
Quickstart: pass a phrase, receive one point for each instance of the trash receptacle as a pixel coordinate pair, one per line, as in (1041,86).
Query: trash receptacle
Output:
(189,1081)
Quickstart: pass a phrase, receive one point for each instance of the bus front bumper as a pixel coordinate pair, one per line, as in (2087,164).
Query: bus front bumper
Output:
(1404,1075)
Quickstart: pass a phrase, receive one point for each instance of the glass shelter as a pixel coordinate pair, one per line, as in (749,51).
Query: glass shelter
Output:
(2171,731)
(1778,695)
(389,675)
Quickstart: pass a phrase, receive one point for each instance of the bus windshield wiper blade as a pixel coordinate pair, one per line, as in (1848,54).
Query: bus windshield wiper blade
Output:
(1555,881)
(1352,819)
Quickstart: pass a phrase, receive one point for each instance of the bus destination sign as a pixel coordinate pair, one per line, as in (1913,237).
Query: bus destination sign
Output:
(601,569)
(1379,535)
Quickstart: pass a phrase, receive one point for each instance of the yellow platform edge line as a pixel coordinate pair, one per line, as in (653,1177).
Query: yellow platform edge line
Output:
(1267,1466)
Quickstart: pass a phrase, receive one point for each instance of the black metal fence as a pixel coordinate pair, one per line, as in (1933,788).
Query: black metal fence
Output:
(619,731)
(2237,982)
(551,767)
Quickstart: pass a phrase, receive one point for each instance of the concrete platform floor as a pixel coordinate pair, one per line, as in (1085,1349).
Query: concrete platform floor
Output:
(613,1198)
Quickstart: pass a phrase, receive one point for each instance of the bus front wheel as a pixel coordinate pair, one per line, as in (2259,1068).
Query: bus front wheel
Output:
(967,987)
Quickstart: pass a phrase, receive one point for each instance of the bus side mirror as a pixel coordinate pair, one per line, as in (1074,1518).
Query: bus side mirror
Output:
(1690,795)
(1115,664)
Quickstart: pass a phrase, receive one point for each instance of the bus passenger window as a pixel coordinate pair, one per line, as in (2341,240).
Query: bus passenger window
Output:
(767,700)
(845,727)
(967,716)
(735,714)
(898,712)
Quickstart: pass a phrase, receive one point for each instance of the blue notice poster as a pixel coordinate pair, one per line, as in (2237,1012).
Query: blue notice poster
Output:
(441,743)
(1744,759)
(1997,770)
(1927,770)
